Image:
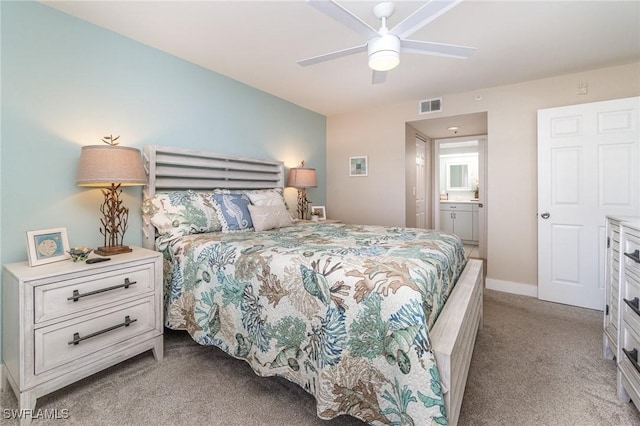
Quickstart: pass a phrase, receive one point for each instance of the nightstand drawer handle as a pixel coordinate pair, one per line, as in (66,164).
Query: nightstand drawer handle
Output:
(77,339)
(633,304)
(633,357)
(76,294)
(635,256)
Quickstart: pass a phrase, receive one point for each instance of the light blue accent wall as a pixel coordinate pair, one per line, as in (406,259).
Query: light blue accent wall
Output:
(1,227)
(67,83)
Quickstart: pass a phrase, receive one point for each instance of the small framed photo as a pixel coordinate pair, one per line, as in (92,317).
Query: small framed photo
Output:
(47,245)
(358,166)
(319,211)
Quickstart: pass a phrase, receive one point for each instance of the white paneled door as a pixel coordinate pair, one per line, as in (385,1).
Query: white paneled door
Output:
(588,167)
(421,196)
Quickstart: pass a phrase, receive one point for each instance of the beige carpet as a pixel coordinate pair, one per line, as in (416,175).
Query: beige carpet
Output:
(535,363)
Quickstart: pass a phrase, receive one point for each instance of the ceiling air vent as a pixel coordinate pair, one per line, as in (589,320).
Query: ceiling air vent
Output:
(430,105)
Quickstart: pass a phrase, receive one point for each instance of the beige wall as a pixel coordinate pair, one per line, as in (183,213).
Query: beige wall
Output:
(380,133)
(377,199)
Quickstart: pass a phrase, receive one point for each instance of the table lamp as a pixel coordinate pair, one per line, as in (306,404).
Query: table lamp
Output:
(111,167)
(302,178)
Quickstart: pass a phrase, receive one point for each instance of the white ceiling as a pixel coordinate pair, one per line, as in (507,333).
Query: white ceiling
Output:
(259,42)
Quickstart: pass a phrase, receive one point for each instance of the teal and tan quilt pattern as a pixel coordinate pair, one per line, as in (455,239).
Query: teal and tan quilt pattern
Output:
(342,310)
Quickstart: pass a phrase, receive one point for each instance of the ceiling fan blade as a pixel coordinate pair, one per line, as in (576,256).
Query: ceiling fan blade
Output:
(437,49)
(333,55)
(421,17)
(346,18)
(378,77)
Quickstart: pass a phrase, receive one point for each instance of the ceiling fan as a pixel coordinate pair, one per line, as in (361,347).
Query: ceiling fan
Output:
(384,45)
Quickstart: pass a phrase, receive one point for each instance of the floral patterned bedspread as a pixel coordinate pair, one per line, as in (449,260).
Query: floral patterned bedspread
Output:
(342,310)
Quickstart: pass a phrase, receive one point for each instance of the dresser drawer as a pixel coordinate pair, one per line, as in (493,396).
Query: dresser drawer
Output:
(67,297)
(102,330)
(631,250)
(630,355)
(630,290)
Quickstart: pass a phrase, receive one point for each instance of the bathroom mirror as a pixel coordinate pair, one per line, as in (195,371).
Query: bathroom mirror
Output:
(458,177)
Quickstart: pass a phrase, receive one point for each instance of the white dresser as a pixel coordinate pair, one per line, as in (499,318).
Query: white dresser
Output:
(612,286)
(628,346)
(64,321)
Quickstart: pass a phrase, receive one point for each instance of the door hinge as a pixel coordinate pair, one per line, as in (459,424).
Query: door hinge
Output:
(607,310)
(608,242)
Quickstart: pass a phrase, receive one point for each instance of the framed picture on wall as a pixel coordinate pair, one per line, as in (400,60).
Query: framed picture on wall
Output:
(47,245)
(358,166)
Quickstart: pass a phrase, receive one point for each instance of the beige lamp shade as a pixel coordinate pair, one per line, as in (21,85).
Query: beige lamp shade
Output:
(102,165)
(300,177)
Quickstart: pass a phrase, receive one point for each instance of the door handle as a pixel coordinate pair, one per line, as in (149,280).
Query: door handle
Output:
(545,215)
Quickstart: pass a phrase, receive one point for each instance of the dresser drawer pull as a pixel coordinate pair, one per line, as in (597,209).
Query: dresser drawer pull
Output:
(76,294)
(77,339)
(633,304)
(633,357)
(635,256)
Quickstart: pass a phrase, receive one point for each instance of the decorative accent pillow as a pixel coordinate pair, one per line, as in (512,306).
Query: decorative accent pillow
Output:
(269,197)
(266,197)
(233,212)
(179,213)
(270,217)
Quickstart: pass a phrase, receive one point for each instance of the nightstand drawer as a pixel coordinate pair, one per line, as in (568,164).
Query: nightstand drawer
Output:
(102,330)
(75,295)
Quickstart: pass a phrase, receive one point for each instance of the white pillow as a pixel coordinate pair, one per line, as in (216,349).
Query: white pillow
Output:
(269,217)
(266,197)
(269,197)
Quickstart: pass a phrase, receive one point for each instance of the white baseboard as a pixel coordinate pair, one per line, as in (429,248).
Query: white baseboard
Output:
(511,287)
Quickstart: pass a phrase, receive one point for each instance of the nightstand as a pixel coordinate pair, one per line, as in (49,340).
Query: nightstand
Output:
(306,222)
(64,321)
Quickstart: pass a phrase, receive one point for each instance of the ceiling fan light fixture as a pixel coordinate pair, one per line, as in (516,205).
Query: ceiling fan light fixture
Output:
(384,53)
(384,45)
(384,60)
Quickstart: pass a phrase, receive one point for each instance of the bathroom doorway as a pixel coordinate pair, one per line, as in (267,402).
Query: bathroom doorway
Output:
(460,188)
(455,176)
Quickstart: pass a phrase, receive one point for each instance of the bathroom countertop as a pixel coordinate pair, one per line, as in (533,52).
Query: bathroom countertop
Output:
(472,201)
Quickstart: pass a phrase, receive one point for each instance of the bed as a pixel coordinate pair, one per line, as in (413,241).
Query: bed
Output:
(354,314)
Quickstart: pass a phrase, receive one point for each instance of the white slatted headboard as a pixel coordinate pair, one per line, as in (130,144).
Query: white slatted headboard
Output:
(174,169)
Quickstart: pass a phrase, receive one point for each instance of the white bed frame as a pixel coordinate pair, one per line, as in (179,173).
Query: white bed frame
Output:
(454,333)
